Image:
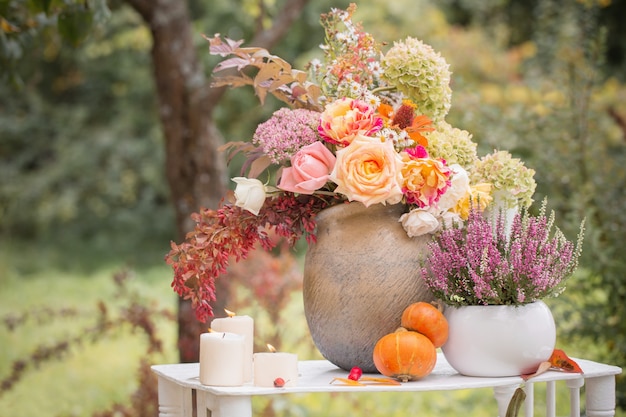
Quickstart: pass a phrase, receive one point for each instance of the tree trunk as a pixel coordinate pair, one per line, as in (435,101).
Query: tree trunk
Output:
(195,169)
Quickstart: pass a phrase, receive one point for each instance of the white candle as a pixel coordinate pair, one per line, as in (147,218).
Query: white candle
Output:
(221,359)
(243,325)
(271,365)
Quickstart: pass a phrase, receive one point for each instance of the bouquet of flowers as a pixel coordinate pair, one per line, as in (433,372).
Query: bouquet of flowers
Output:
(361,125)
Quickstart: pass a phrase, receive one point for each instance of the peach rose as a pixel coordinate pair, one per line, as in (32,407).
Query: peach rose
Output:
(344,118)
(424,180)
(309,170)
(368,171)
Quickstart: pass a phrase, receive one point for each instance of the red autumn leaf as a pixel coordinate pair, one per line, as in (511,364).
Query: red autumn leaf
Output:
(563,362)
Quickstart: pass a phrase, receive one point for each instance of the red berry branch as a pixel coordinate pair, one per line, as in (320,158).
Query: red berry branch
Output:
(231,233)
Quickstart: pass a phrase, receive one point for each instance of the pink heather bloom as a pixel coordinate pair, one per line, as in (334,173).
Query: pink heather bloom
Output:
(286,132)
(476,264)
(345,118)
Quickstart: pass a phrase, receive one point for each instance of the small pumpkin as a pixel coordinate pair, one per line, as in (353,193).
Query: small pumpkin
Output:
(404,355)
(428,320)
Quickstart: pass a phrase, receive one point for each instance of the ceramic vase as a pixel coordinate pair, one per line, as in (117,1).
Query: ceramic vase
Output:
(498,341)
(358,278)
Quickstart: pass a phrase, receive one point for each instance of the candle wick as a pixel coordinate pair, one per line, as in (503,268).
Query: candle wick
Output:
(223,335)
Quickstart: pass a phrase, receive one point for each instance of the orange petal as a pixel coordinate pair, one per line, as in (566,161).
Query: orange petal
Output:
(381,381)
(346,381)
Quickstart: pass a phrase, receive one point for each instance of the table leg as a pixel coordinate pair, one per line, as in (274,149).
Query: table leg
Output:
(503,396)
(600,393)
(223,406)
(174,400)
(574,386)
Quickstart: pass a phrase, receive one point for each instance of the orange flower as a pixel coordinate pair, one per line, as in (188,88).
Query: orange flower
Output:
(424,180)
(404,118)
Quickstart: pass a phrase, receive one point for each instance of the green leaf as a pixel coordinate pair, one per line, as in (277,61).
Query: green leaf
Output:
(516,402)
(75,24)
(41,5)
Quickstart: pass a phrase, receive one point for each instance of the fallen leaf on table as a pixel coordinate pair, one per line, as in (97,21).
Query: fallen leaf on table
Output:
(558,361)
(543,367)
(563,362)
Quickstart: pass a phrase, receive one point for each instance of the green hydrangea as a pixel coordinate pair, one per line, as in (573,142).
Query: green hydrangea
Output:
(452,144)
(421,74)
(510,179)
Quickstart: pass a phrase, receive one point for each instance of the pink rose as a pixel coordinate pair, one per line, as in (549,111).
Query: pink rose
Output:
(368,171)
(309,170)
(344,118)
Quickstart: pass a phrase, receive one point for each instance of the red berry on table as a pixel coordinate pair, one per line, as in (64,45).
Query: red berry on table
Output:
(355,373)
(279,382)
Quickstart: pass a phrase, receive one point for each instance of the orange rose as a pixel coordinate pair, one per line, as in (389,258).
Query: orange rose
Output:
(368,171)
(424,180)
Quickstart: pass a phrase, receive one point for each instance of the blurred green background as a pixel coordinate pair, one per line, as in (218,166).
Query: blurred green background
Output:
(86,214)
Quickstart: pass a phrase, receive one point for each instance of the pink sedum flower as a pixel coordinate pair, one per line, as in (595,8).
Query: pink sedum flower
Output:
(368,171)
(424,180)
(309,171)
(286,132)
(345,118)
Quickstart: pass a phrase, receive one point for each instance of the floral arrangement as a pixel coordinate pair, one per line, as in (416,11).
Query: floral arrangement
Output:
(477,264)
(361,125)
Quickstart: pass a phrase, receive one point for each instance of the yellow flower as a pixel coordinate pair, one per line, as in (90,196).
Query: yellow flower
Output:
(479,196)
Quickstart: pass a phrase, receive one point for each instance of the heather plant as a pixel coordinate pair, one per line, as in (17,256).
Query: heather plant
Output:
(477,263)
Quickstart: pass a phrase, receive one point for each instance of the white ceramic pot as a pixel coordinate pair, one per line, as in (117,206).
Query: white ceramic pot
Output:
(497,341)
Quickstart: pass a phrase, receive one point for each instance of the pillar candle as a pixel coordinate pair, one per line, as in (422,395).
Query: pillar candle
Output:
(271,365)
(243,325)
(221,359)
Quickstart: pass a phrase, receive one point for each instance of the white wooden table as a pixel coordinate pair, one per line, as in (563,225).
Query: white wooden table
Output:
(178,381)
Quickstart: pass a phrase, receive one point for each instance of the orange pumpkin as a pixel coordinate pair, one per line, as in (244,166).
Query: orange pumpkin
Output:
(428,320)
(404,355)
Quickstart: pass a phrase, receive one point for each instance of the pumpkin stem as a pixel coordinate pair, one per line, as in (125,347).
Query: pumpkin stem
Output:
(438,304)
(401,329)
(404,378)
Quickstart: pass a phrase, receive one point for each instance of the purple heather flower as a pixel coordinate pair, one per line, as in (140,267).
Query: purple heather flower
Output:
(286,132)
(477,264)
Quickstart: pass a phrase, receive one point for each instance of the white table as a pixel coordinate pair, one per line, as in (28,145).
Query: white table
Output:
(178,381)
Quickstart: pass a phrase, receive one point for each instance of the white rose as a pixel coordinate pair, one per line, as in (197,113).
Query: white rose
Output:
(419,222)
(459,187)
(249,194)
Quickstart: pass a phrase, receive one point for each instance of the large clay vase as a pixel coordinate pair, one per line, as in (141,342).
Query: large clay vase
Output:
(358,278)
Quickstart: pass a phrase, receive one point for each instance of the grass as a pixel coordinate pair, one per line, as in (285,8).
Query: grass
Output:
(93,376)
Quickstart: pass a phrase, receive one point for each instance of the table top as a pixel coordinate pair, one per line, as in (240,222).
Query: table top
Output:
(316,376)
